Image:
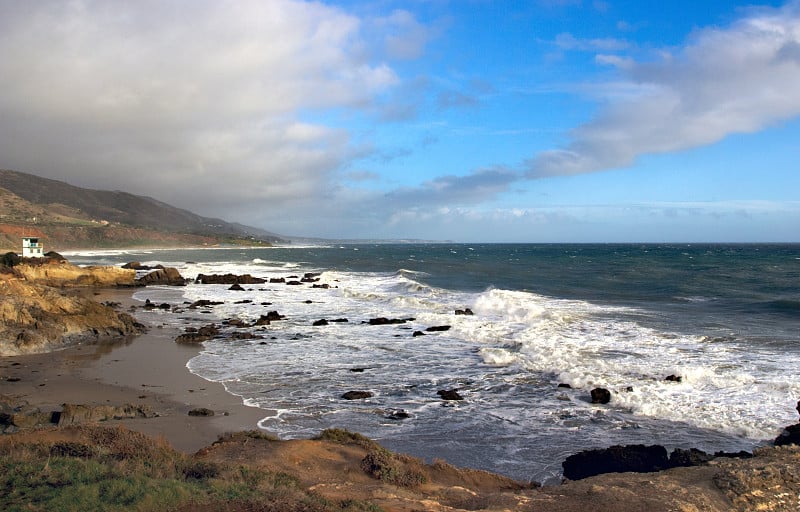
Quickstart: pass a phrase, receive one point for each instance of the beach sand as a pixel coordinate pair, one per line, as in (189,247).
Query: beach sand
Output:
(148,369)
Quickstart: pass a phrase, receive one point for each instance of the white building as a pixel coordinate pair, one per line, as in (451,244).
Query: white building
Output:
(32,247)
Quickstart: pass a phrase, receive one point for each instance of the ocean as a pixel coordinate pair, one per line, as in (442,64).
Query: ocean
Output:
(725,319)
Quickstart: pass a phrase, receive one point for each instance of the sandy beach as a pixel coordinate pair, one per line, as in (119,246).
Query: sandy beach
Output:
(149,369)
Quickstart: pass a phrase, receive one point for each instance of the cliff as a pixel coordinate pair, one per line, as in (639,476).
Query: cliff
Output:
(37,315)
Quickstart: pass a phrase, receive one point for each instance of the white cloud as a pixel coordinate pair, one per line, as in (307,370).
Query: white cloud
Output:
(738,79)
(197,103)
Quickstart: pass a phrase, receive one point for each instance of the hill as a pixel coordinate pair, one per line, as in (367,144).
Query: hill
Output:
(70,217)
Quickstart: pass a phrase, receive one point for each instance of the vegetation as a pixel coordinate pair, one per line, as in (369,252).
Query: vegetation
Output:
(389,467)
(117,469)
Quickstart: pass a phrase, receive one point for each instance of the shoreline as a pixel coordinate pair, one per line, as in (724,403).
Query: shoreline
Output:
(148,369)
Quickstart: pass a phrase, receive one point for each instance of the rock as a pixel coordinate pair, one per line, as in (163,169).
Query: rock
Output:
(201,411)
(36,318)
(193,335)
(687,458)
(323,285)
(790,435)
(600,396)
(674,378)
(245,336)
(269,317)
(357,395)
(616,459)
(465,311)
(163,276)
(82,413)
(204,303)
(397,414)
(357,370)
(340,320)
(53,255)
(417,333)
(438,328)
(388,321)
(228,279)
(62,274)
(236,287)
(564,385)
(277,280)
(293,283)
(449,394)
(319,323)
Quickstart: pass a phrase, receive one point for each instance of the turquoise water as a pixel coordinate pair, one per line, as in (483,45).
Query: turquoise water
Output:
(724,318)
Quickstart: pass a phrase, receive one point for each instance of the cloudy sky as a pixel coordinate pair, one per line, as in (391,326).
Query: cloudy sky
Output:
(468,120)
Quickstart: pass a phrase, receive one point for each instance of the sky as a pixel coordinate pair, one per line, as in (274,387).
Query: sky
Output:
(468,120)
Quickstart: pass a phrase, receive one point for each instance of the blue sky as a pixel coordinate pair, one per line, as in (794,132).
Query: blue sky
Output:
(499,121)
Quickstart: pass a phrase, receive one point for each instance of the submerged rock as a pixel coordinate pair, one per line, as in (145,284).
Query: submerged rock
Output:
(357,395)
(600,396)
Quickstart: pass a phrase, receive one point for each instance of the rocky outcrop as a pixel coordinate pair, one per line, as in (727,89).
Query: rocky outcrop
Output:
(72,414)
(62,274)
(164,276)
(36,318)
(17,414)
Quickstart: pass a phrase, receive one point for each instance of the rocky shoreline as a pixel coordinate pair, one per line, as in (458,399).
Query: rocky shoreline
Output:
(51,306)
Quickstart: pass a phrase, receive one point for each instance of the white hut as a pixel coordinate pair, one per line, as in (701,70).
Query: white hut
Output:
(32,247)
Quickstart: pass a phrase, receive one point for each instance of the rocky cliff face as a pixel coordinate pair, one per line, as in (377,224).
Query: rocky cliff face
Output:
(37,316)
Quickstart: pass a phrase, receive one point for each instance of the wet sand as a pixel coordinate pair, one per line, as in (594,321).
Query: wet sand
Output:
(147,369)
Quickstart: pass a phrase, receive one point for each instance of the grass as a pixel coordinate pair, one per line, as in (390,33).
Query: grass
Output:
(121,470)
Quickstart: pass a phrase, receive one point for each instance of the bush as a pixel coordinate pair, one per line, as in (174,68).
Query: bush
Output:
(10,259)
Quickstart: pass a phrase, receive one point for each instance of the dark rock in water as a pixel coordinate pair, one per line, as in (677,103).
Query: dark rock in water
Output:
(564,385)
(228,279)
(449,394)
(600,396)
(236,322)
(204,303)
(311,275)
(674,378)
(356,395)
(687,458)
(790,435)
(277,280)
(418,333)
(397,414)
(387,321)
(324,285)
(209,330)
(236,287)
(798,407)
(245,301)
(438,328)
(193,335)
(162,276)
(734,455)
(340,320)
(201,411)
(319,323)
(616,459)
(164,305)
(357,370)
(293,283)
(465,311)
(245,336)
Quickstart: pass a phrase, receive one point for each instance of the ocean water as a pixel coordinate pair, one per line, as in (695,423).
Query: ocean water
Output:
(725,318)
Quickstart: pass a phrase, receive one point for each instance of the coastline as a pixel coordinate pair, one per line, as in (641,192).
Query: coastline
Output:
(148,369)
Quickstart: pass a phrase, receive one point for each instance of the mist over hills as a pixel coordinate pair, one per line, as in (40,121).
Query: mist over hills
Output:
(71,217)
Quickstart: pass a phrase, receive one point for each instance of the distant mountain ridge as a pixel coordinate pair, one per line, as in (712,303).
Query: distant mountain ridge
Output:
(51,205)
